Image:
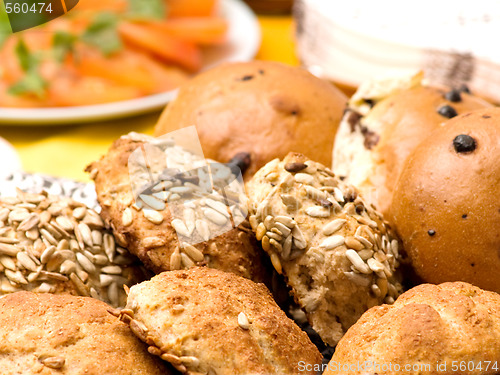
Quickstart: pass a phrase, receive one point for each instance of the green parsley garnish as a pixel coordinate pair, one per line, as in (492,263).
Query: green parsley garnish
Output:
(103,33)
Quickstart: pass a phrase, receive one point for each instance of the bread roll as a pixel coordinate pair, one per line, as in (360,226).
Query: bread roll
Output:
(446,204)
(336,253)
(385,121)
(262,108)
(51,244)
(47,334)
(452,328)
(205,321)
(153,238)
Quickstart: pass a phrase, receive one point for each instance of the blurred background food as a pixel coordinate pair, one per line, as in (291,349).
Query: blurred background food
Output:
(108,51)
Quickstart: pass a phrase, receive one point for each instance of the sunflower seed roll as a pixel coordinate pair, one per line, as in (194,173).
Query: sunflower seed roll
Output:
(336,252)
(56,245)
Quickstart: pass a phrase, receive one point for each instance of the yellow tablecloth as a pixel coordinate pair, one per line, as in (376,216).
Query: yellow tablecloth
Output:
(66,150)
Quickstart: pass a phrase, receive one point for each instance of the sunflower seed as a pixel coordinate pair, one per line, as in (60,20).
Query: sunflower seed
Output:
(383,286)
(186,261)
(127,217)
(8,240)
(243,321)
(113,270)
(333,226)
(153,202)
(375,265)
(16,277)
(287,247)
(315,193)
(152,242)
(18,215)
(365,254)
(79,213)
(276,245)
(318,212)
(79,285)
(85,234)
(358,279)
(203,229)
(193,252)
(298,238)
(4,214)
(265,243)
(332,242)
(67,267)
(109,246)
(275,260)
(54,362)
(175,260)
(53,275)
(260,232)
(138,328)
(357,262)
(291,202)
(304,178)
(274,236)
(180,227)
(353,243)
(86,264)
(28,223)
(189,218)
(93,220)
(10,250)
(8,263)
(26,262)
(214,216)
(46,288)
(180,190)
(364,241)
(338,195)
(101,260)
(153,216)
(284,230)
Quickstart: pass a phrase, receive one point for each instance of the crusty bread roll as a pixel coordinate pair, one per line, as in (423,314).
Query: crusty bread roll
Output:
(446,205)
(336,252)
(385,121)
(153,238)
(48,334)
(206,321)
(262,108)
(51,244)
(455,326)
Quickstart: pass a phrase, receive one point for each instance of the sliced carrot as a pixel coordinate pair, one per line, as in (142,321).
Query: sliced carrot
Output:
(198,30)
(162,45)
(122,68)
(191,8)
(118,6)
(77,91)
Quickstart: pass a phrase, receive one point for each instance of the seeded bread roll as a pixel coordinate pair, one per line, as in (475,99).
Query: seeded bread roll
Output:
(47,334)
(447,202)
(205,321)
(337,254)
(51,244)
(259,107)
(455,325)
(384,122)
(151,233)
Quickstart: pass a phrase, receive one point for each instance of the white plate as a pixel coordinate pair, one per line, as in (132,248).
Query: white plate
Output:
(242,44)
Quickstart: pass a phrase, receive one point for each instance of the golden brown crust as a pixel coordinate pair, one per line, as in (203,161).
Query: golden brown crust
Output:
(192,319)
(455,196)
(76,332)
(235,251)
(398,124)
(427,325)
(264,108)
